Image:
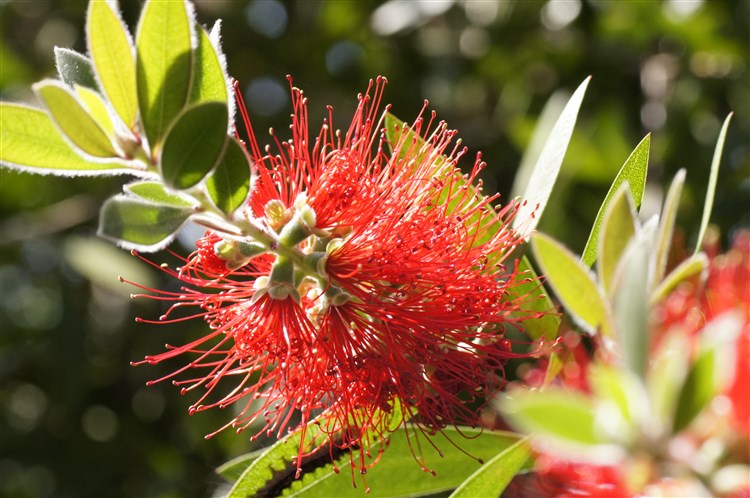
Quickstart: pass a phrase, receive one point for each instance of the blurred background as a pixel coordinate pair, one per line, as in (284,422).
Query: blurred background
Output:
(76,420)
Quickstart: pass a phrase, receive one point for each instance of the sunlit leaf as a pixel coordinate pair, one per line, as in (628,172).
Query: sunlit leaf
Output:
(573,283)
(492,478)
(210,81)
(31,142)
(135,224)
(194,145)
(666,226)
(156,193)
(618,227)
(74,68)
(634,172)
(694,265)
(74,120)
(457,464)
(566,417)
(547,118)
(164,61)
(545,172)
(111,49)
(630,298)
(622,401)
(229,183)
(711,188)
(668,368)
(96,106)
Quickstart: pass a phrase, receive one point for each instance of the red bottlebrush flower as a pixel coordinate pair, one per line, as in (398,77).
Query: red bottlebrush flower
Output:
(372,288)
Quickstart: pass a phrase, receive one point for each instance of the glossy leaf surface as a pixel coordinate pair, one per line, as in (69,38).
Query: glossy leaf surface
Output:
(194,145)
(111,49)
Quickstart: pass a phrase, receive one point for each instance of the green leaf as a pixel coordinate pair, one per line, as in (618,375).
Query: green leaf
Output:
(617,228)
(156,193)
(233,469)
(667,370)
(164,61)
(111,49)
(96,107)
(493,477)
(566,418)
(634,172)
(537,300)
(209,74)
(666,226)
(694,265)
(548,165)
(573,283)
(622,402)
(450,470)
(136,224)
(547,118)
(711,370)
(31,142)
(74,120)
(193,145)
(631,302)
(74,68)
(229,184)
(711,189)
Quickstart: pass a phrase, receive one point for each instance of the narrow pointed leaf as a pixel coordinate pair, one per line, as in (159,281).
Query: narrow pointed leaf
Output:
(694,265)
(573,283)
(711,189)
(451,469)
(711,370)
(96,107)
(209,75)
(548,165)
(666,226)
(74,68)
(229,183)
(111,49)
(493,477)
(547,118)
(634,172)
(164,61)
(74,120)
(631,303)
(668,368)
(136,224)
(156,193)
(618,227)
(31,142)
(194,145)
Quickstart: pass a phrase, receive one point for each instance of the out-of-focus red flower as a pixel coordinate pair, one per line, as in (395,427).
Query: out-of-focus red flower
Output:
(383,294)
(726,289)
(555,478)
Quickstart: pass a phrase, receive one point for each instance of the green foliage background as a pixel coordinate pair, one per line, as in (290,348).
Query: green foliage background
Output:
(76,418)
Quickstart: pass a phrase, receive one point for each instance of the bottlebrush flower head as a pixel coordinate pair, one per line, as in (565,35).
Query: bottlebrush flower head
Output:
(371,287)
